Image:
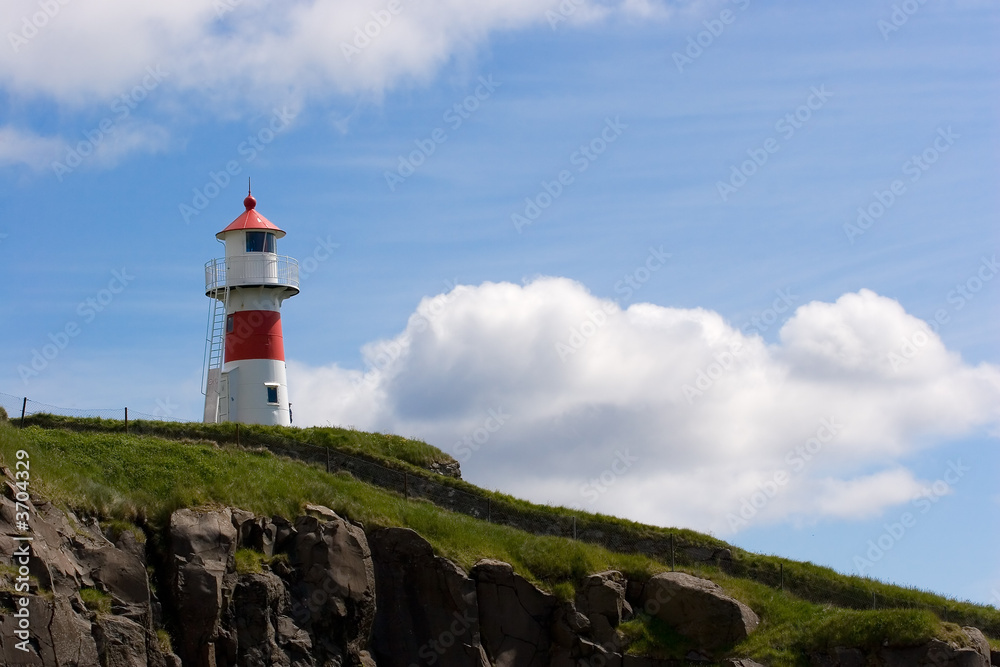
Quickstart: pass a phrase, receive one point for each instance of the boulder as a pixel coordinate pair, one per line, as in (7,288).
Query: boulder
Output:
(699,610)
(202,545)
(268,536)
(121,575)
(515,616)
(249,631)
(840,657)
(333,594)
(742,662)
(978,641)
(427,606)
(601,599)
(120,642)
(934,653)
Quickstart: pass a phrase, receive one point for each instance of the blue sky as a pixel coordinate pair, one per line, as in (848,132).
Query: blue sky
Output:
(682,313)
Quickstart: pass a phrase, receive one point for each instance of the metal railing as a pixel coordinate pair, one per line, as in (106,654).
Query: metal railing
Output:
(251,270)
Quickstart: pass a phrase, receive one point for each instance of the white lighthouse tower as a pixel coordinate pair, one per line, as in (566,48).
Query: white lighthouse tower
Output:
(245,379)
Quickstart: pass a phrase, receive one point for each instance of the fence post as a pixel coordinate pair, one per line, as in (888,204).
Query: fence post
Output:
(126,421)
(238,434)
(24,407)
(671,552)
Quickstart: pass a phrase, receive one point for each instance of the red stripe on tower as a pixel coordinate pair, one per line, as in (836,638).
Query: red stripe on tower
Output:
(254,334)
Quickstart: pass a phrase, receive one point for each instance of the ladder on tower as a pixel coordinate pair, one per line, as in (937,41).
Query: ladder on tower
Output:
(215,339)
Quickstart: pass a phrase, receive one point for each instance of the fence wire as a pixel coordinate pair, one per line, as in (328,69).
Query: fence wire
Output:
(15,404)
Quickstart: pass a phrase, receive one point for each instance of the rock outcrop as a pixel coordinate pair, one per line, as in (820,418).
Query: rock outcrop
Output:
(64,560)
(602,600)
(427,611)
(516,617)
(243,590)
(202,546)
(315,605)
(934,653)
(699,610)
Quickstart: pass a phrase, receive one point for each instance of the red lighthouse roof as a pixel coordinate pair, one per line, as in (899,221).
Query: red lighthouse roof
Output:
(251,219)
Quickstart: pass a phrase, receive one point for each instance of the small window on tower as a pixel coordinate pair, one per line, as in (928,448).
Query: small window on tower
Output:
(260,242)
(229,323)
(272,394)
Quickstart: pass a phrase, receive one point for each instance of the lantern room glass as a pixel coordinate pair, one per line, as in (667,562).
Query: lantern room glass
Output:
(260,242)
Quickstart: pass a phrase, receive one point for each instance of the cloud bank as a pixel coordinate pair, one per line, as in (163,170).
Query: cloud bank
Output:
(664,415)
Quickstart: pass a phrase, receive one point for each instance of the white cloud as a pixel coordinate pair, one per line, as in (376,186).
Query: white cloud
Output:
(94,148)
(257,51)
(237,58)
(662,414)
(24,147)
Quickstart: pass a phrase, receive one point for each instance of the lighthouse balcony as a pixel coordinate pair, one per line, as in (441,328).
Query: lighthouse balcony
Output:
(259,270)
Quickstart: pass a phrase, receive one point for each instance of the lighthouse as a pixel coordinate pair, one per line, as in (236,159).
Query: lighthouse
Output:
(245,378)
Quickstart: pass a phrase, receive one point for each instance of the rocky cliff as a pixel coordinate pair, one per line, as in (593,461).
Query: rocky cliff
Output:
(220,587)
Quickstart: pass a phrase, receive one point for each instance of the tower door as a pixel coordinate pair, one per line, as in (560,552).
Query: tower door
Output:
(224,397)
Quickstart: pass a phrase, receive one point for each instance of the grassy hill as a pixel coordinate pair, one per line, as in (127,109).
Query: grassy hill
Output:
(140,478)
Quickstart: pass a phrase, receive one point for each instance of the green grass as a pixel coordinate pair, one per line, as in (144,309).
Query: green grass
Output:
(249,561)
(114,528)
(163,642)
(138,478)
(129,479)
(96,600)
(650,637)
(386,448)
